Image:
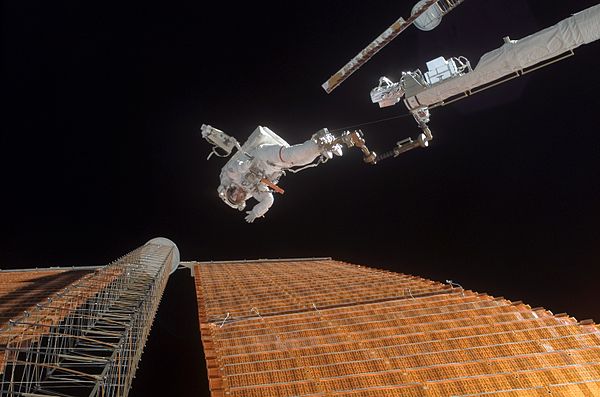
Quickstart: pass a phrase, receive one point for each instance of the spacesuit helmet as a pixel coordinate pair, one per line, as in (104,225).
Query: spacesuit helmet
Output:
(233,195)
(236,195)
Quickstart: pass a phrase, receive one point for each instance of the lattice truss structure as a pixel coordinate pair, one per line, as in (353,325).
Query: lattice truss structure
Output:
(328,328)
(86,338)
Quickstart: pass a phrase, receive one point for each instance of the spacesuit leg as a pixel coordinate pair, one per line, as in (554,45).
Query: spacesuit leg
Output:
(291,156)
(302,154)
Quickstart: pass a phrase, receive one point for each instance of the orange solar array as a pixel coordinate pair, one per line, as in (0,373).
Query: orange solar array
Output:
(21,291)
(328,328)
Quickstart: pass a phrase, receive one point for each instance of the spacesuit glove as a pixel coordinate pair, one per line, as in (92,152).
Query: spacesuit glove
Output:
(250,217)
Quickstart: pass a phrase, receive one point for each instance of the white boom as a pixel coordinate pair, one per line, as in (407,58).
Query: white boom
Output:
(452,79)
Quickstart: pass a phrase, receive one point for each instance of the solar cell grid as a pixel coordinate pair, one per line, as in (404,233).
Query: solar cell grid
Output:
(21,291)
(273,287)
(376,312)
(362,332)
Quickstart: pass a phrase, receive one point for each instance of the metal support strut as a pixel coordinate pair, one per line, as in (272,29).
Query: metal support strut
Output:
(408,144)
(87,339)
(355,138)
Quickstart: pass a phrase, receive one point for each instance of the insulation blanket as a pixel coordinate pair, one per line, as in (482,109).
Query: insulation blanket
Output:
(515,55)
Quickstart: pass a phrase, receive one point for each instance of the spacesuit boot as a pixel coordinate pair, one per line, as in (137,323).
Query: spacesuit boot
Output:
(328,145)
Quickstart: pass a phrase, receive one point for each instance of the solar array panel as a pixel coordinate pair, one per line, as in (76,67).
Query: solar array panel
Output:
(21,291)
(329,328)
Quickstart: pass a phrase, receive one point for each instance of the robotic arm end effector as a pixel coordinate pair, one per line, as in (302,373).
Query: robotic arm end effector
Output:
(330,145)
(356,138)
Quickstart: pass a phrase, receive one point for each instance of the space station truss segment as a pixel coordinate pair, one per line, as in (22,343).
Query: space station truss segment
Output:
(87,339)
(333,329)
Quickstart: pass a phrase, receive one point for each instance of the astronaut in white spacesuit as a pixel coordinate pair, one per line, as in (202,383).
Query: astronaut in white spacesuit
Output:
(254,171)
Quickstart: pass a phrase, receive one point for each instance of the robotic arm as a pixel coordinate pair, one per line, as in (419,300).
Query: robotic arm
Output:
(449,80)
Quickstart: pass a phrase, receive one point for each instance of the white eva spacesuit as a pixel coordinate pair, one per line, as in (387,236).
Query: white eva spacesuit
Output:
(254,171)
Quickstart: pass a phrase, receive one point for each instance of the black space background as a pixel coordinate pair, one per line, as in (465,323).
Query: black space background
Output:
(101,150)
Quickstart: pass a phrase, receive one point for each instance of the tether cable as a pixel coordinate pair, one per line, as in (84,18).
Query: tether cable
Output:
(372,122)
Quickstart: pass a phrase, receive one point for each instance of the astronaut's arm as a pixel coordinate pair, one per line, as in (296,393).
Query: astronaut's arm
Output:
(265,201)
